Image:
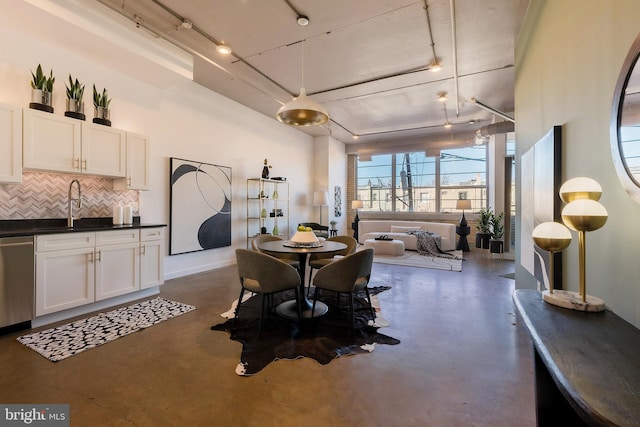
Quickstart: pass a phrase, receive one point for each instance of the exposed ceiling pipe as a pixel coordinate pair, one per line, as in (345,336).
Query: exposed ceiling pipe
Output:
(483,134)
(156,32)
(495,129)
(452,7)
(492,110)
(436,62)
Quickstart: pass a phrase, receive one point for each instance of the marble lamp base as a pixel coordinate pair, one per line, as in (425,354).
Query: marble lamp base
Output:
(573,300)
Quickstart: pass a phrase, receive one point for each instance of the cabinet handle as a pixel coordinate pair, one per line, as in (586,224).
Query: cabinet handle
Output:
(98,255)
(84,164)
(76,163)
(129,181)
(90,257)
(143,250)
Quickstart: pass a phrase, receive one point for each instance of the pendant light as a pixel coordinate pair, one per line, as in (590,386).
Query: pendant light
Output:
(301,110)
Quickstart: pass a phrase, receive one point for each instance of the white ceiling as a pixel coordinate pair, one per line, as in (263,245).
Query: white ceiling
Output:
(366,61)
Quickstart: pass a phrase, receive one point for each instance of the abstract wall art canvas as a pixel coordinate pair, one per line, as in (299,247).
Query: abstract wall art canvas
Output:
(541,172)
(337,201)
(200,216)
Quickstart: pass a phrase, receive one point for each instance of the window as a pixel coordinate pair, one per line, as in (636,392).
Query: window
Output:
(415,182)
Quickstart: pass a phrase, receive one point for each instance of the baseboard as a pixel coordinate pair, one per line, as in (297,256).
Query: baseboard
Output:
(98,305)
(198,269)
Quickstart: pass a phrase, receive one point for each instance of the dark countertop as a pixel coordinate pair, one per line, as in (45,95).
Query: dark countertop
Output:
(32,227)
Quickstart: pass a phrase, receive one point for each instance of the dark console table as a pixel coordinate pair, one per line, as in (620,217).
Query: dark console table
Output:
(587,365)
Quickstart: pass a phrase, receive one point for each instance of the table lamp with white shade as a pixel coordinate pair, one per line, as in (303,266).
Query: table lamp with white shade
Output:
(582,213)
(320,198)
(463,204)
(552,237)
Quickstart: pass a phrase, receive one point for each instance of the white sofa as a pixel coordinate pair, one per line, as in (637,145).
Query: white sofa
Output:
(370,229)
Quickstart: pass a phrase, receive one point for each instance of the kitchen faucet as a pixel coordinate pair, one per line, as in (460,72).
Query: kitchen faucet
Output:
(70,200)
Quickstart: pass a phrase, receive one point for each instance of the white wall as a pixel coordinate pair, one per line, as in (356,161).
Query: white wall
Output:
(568,59)
(331,171)
(182,118)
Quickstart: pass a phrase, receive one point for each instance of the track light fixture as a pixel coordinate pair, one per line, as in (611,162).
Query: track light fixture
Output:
(223,49)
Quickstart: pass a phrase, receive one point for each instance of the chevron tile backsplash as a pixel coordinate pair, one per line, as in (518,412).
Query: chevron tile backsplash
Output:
(44,195)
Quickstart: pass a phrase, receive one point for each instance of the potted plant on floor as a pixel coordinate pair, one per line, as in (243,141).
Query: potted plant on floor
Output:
(483,235)
(101,103)
(75,106)
(42,89)
(496,244)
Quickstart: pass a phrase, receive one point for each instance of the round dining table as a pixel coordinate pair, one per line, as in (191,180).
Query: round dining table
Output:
(288,308)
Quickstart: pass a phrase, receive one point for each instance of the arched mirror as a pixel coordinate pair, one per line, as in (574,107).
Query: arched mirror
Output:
(625,123)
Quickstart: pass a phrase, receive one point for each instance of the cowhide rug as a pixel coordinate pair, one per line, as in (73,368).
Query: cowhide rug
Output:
(322,339)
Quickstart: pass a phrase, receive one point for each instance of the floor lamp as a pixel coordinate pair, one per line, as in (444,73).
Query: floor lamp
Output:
(320,198)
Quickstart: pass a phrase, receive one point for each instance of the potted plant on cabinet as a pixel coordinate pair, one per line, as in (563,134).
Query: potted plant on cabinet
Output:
(42,89)
(101,103)
(75,106)
(483,235)
(333,224)
(496,244)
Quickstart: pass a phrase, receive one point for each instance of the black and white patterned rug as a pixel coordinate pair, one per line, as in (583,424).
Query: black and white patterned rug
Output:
(67,340)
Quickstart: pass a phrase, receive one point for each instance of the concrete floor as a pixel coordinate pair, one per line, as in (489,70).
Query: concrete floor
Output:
(464,360)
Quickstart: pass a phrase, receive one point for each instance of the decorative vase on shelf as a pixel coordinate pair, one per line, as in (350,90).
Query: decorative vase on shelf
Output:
(75,109)
(101,116)
(275,194)
(275,231)
(263,213)
(265,169)
(41,100)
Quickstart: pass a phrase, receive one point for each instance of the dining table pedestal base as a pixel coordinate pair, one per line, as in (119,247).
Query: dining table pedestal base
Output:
(289,309)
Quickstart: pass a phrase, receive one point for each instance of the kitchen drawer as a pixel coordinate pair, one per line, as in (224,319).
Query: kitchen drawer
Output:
(60,242)
(148,234)
(117,237)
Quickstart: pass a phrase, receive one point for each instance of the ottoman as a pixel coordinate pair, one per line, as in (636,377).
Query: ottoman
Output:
(385,247)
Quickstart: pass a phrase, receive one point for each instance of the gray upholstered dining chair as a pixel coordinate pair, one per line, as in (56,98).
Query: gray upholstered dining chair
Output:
(318,229)
(291,259)
(317,261)
(347,275)
(265,275)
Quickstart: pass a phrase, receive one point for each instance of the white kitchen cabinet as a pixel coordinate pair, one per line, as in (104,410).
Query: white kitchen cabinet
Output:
(151,257)
(117,263)
(64,271)
(10,144)
(103,150)
(137,176)
(75,269)
(51,142)
(62,144)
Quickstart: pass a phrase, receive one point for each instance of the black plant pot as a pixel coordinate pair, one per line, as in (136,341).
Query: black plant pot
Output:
(496,246)
(482,240)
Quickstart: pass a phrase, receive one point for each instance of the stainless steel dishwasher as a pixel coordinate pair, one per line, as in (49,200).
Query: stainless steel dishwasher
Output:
(17,285)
